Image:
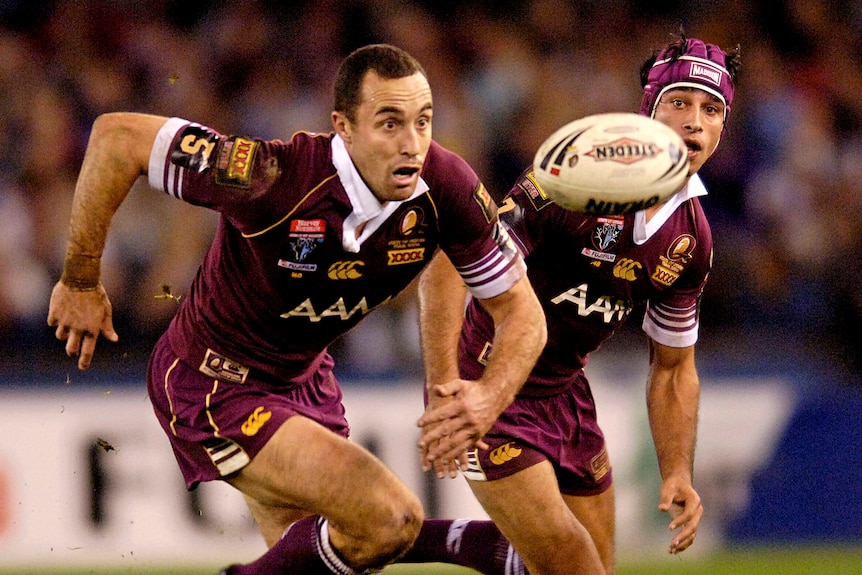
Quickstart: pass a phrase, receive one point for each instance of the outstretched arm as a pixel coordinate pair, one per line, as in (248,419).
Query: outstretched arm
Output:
(459,411)
(673,395)
(117,154)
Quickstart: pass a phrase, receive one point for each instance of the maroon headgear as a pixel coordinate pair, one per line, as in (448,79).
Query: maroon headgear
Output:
(701,66)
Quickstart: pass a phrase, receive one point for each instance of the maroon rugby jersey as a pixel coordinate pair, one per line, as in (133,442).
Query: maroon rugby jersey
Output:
(286,274)
(589,273)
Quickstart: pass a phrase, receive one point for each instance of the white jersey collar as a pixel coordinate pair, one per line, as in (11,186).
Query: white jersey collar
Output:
(366,207)
(644,230)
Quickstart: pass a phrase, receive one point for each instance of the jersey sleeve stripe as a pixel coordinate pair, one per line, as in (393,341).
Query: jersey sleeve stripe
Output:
(492,275)
(163,175)
(481,266)
(674,327)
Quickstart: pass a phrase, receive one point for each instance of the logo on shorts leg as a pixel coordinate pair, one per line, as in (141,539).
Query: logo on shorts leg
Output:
(504,453)
(256,421)
(600,464)
(220,367)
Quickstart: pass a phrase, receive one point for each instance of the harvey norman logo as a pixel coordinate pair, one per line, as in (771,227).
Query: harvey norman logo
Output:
(705,72)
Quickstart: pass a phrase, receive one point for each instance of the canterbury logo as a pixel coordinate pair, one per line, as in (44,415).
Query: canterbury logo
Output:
(345,270)
(256,421)
(504,453)
(625,269)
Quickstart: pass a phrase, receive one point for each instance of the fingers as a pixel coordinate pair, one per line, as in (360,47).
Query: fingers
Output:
(686,517)
(88,348)
(80,317)
(80,344)
(109,333)
(449,469)
(450,448)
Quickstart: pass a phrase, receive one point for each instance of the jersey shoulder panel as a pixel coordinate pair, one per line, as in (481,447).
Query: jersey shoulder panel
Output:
(252,182)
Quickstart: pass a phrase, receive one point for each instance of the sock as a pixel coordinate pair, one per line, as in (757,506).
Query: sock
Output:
(304,549)
(478,545)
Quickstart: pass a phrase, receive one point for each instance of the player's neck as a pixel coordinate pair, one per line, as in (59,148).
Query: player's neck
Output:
(651,211)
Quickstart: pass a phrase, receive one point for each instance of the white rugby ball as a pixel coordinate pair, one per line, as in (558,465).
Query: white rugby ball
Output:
(611,164)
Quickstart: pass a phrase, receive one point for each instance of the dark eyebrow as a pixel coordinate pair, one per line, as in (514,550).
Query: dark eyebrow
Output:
(386,110)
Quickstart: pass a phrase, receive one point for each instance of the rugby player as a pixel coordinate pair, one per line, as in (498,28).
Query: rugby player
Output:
(547,477)
(315,233)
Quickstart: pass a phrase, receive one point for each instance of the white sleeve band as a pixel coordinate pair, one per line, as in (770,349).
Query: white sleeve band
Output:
(159,160)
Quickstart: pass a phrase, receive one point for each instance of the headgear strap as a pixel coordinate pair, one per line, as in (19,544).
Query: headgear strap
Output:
(701,66)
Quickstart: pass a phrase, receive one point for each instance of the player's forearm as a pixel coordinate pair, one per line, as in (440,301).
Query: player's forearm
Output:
(442,296)
(117,154)
(519,337)
(672,403)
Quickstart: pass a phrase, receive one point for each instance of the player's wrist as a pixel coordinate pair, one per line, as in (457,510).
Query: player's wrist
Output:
(81,272)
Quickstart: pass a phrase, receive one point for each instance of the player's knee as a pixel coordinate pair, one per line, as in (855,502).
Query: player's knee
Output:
(401,528)
(383,534)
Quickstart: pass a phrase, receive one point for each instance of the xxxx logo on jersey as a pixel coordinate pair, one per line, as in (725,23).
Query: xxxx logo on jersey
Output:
(504,453)
(255,421)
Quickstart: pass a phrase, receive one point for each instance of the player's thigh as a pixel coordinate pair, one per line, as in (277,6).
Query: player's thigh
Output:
(598,514)
(307,467)
(530,511)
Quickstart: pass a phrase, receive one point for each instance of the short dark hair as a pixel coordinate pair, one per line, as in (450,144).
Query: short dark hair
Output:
(389,62)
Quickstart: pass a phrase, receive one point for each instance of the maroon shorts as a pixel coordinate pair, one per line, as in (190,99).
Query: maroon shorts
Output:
(217,427)
(561,428)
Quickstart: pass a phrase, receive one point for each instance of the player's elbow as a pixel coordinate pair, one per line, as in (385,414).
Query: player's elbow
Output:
(125,139)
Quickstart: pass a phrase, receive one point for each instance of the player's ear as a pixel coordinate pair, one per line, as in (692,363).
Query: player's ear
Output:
(342,126)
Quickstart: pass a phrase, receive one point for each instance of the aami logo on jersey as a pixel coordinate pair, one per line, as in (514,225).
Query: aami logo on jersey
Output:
(607,308)
(398,257)
(625,151)
(339,309)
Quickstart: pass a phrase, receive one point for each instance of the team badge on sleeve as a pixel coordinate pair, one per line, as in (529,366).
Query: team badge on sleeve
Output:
(534,191)
(483,198)
(194,148)
(235,162)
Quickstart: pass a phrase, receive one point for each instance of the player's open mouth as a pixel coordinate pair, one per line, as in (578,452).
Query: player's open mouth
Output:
(406,173)
(693,147)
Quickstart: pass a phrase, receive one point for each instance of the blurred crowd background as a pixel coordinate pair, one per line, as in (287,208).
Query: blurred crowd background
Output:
(786,181)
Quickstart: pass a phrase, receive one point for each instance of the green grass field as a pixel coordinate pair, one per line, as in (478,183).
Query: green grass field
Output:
(759,561)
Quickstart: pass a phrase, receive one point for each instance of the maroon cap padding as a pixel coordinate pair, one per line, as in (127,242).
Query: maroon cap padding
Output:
(701,66)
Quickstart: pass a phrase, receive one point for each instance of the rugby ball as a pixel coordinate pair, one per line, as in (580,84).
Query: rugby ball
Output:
(611,164)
